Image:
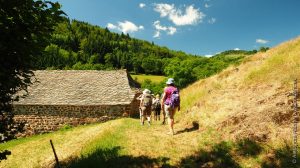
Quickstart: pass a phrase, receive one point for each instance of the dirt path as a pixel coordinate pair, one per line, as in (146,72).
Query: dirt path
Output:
(153,141)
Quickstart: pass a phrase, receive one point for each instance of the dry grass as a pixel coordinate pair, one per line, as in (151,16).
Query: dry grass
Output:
(246,94)
(248,101)
(282,64)
(38,153)
(154,142)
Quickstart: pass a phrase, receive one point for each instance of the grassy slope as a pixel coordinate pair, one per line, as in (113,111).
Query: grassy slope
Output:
(259,80)
(243,112)
(250,101)
(153,78)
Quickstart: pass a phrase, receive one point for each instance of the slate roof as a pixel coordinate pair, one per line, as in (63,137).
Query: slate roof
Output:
(79,87)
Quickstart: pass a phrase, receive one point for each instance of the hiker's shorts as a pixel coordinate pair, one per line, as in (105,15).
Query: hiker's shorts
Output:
(157,112)
(146,111)
(170,112)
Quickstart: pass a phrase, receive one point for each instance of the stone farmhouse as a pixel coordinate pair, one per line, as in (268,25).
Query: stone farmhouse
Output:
(74,97)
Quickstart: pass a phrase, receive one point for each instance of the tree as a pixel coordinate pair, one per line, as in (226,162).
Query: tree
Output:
(263,49)
(25,29)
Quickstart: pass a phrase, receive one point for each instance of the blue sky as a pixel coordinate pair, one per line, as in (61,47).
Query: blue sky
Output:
(202,27)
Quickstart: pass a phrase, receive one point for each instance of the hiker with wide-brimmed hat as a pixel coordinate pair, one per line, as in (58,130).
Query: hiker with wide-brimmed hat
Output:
(145,106)
(170,103)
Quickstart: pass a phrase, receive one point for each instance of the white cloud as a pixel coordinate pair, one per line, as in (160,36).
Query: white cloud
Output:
(125,27)
(111,26)
(261,41)
(212,20)
(206,5)
(158,27)
(142,5)
(156,34)
(236,49)
(191,15)
(164,9)
(208,55)
(172,30)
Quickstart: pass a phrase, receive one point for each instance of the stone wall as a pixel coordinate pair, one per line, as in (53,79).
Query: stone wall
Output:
(48,118)
(135,104)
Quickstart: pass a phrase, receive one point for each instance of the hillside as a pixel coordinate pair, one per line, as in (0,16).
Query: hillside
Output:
(241,117)
(250,99)
(82,46)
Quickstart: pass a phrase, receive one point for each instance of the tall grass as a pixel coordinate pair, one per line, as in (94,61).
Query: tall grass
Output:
(282,64)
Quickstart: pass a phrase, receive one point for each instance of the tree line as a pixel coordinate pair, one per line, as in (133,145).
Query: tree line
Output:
(82,46)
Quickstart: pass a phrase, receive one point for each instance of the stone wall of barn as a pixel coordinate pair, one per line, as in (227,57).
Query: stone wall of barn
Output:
(48,118)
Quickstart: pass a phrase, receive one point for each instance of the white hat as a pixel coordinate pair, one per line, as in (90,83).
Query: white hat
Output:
(170,81)
(146,91)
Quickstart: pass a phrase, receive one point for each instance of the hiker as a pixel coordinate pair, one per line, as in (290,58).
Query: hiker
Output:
(156,107)
(140,110)
(170,103)
(163,111)
(145,106)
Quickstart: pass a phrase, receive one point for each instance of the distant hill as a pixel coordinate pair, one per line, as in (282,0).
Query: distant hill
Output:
(79,45)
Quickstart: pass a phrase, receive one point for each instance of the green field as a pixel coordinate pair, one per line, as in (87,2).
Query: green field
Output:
(153,78)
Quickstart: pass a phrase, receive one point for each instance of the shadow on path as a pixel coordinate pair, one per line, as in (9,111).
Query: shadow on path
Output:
(189,129)
(111,158)
(219,156)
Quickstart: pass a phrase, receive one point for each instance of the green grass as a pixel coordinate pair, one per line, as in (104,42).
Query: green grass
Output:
(153,78)
(125,143)
(36,151)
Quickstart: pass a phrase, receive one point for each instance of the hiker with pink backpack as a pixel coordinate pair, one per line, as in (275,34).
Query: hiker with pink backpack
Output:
(170,103)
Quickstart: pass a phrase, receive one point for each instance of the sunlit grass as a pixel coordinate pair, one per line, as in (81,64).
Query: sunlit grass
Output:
(36,151)
(283,65)
(153,78)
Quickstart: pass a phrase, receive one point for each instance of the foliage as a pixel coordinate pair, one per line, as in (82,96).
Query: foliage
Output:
(156,88)
(79,45)
(25,28)
(263,49)
(66,127)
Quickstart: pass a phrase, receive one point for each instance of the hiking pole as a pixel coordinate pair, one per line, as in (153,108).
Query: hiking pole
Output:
(56,159)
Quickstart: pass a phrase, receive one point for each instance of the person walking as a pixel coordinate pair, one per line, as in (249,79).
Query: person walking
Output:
(140,110)
(145,106)
(156,107)
(170,103)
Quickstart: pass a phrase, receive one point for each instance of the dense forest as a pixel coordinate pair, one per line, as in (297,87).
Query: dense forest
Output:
(81,46)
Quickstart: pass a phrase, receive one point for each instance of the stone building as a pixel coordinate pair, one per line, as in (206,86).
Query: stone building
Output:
(71,97)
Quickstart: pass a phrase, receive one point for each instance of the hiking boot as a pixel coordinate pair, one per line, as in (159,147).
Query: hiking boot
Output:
(170,133)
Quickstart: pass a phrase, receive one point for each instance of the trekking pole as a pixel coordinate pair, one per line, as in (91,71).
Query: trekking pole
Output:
(56,159)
